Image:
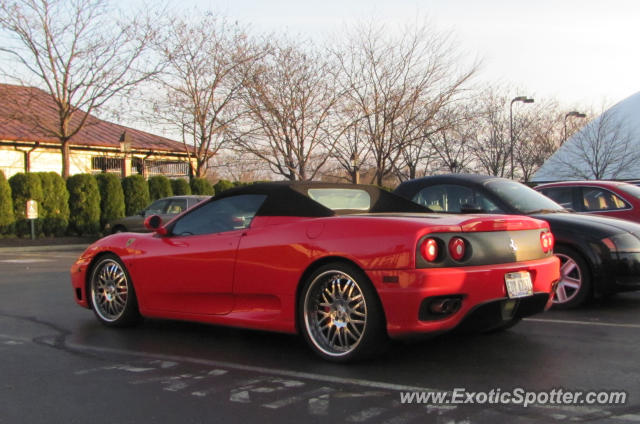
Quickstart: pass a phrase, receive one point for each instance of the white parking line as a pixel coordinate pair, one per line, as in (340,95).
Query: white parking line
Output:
(596,324)
(25,261)
(252,368)
(628,417)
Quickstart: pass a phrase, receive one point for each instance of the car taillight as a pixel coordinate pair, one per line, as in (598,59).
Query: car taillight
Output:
(457,248)
(429,249)
(547,241)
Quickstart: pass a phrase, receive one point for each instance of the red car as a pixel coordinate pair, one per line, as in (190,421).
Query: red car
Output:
(608,198)
(345,265)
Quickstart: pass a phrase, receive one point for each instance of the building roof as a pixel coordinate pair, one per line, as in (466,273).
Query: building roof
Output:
(27,112)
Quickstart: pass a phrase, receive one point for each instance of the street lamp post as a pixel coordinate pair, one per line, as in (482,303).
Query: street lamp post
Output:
(574,114)
(523,99)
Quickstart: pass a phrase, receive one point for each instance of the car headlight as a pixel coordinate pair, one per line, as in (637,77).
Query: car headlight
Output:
(622,243)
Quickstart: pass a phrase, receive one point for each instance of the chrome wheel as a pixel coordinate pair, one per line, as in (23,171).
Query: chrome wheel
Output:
(570,280)
(109,290)
(335,313)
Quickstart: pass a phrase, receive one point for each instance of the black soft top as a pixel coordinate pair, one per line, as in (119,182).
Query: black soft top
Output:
(285,198)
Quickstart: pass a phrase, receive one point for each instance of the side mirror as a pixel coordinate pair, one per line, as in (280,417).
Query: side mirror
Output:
(154,223)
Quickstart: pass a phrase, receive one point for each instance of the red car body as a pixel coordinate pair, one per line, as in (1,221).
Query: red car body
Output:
(254,276)
(614,199)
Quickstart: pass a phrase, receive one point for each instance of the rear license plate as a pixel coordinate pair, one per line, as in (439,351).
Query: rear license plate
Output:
(518,284)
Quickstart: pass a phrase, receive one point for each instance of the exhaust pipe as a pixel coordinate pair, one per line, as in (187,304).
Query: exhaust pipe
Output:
(445,306)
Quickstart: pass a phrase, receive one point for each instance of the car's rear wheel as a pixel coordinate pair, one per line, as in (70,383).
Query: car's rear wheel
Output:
(340,314)
(112,295)
(574,287)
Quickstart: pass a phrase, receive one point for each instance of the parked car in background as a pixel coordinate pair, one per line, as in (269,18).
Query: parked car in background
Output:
(607,198)
(166,208)
(599,255)
(345,265)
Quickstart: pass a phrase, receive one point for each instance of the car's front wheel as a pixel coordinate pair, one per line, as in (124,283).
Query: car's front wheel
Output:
(574,287)
(340,314)
(112,295)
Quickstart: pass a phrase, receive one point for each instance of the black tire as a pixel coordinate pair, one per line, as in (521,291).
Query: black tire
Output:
(340,315)
(111,293)
(574,288)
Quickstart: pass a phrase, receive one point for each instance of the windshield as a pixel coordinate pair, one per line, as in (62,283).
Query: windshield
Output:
(631,189)
(522,198)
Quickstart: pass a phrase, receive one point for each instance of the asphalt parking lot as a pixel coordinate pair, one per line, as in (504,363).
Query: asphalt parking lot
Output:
(58,364)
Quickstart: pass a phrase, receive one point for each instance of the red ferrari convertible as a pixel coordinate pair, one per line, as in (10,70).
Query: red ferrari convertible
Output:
(345,265)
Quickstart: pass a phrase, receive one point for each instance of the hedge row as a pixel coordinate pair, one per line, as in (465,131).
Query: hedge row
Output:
(85,203)
(7,217)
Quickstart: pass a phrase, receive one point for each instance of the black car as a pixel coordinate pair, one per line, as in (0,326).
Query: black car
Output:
(599,255)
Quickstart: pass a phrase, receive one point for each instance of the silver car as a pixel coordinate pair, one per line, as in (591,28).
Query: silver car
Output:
(167,208)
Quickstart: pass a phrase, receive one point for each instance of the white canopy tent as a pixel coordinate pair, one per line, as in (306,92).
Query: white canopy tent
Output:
(608,147)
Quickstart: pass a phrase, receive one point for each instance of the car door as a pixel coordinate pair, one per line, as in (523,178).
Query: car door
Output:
(191,270)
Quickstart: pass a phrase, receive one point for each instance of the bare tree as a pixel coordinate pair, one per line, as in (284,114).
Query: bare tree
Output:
(351,150)
(416,158)
(202,83)
(451,144)
(535,133)
(602,149)
(421,156)
(291,101)
(540,138)
(78,53)
(397,85)
(489,133)
(236,166)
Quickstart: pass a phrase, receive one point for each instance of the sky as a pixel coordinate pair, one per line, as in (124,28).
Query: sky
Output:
(578,52)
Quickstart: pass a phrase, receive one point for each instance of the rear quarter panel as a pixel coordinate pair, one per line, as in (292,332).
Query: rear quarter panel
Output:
(273,254)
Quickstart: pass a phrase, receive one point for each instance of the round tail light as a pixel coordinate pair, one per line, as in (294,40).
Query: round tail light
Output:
(429,249)
(547,241)
(457,248)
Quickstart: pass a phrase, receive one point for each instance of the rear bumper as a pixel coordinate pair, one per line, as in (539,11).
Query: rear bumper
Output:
(481,290)
(493,313)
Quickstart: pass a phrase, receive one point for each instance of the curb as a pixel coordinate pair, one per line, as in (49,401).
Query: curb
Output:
(61,247)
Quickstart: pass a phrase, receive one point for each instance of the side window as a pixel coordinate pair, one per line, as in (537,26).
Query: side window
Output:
(157,208)
(453,198)
(434,197)
(598,199)
(195,201)
(227,214)
(487,205)
(561,195)
(176,206)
